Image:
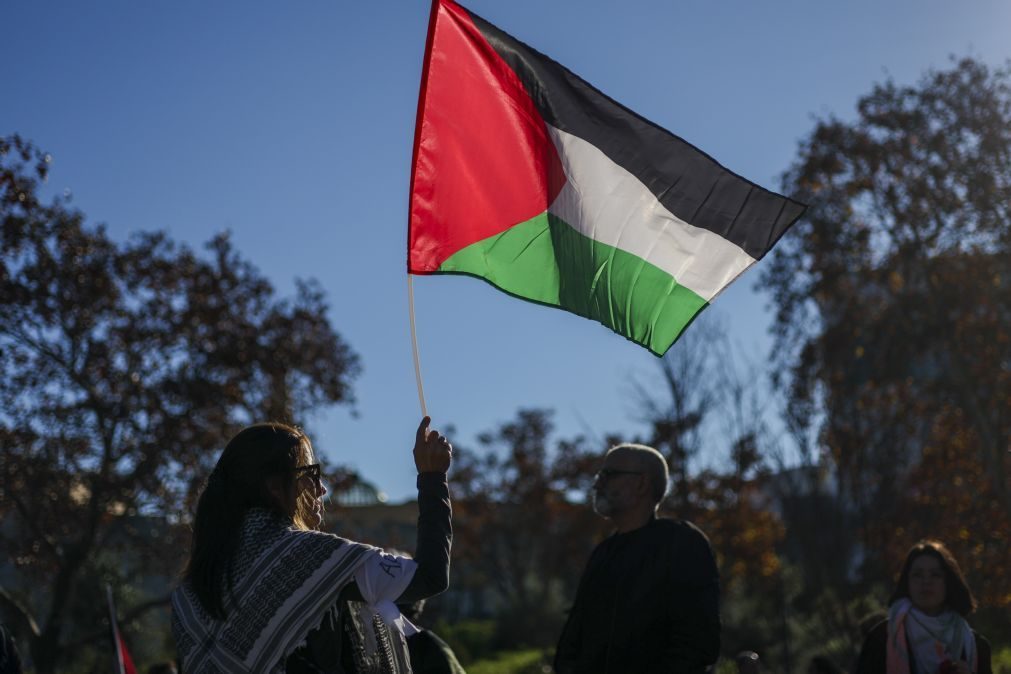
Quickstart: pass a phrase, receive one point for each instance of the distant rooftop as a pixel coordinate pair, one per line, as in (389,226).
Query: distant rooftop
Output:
(358,493)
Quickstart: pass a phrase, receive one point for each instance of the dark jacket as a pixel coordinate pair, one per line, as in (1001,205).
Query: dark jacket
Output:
(10,661)
(873,656)
(648,602)
(432,655)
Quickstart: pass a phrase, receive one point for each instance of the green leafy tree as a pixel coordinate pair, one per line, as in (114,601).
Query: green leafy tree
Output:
(123,368)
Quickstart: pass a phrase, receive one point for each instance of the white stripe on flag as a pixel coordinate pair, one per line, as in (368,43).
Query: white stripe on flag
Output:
(608,204)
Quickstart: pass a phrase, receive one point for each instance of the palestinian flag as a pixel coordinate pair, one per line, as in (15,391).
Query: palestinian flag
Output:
(526,176)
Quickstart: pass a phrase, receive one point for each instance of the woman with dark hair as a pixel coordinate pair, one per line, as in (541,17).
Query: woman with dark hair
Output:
(265,591)
(926,631)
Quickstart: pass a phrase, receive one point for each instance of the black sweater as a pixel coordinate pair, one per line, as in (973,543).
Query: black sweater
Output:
(648,602)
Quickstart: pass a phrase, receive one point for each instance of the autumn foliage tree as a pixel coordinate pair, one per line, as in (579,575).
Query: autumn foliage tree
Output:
(893,301)
(123,369)
(705,413)
(519,531)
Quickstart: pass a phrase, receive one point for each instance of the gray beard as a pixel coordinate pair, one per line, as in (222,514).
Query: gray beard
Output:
(601,505)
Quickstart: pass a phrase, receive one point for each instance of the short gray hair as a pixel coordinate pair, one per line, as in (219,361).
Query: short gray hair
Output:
(652,463)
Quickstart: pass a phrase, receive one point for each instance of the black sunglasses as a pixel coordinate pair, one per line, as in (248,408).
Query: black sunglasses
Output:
(312,470)
(608,473)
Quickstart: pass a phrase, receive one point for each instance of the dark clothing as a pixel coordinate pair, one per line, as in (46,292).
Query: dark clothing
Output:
(10,661)
(873,656)
(648,602)
(432,655)
(328,649)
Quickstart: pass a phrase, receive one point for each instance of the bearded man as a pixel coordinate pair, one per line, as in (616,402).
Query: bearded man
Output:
(648,601)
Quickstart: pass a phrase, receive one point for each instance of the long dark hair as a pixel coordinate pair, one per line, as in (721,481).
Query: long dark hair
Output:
(257,458)
(957,596)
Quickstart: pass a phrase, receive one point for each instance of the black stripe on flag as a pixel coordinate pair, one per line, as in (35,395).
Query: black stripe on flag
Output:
(688,182)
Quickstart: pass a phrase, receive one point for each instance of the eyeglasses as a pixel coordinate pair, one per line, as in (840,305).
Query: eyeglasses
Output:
(313,471)
(605,474)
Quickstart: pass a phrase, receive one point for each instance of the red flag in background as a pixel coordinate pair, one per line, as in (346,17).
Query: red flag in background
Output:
(123,663)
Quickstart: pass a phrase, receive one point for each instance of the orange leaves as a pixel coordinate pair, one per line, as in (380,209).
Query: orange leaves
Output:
(123,365)
(893,315)
(952,497)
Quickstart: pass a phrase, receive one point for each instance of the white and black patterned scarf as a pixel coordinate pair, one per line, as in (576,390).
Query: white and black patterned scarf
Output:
(284,582)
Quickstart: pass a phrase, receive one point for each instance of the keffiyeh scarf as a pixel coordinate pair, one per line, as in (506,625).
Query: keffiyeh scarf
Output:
(931,640)
(285,580)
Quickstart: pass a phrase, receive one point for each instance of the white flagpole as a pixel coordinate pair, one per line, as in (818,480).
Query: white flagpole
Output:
(414,345)
(115,630)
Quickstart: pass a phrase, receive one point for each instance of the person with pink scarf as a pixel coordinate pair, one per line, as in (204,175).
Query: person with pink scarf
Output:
(926,631)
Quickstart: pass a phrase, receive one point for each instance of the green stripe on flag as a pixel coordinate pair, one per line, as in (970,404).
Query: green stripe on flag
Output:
(545,260)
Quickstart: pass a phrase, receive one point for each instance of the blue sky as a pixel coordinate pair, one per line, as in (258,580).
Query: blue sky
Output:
(291,125)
